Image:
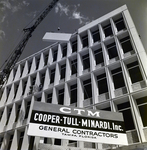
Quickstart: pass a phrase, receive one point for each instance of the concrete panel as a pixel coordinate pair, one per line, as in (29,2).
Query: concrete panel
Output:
(56,37)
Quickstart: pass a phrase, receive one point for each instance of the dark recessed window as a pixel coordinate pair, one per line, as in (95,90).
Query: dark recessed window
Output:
(112,50)
(17,112)
(128,119)
(118,78)
(61,97)
(107,30)
(10,142)
(74,66)
(98,56)
(52,76)
(135,72)
(49,98)
(87,89)
(85,41)
(63,70)
(20,140)
(142,105)
(120,25)
(55,55)
(126,44)
(102,84)
(46,59)
(86,61)
(37,63)
(73,93)
(64,51)
(74,46)
(8,115)
(96,36)
(27,109)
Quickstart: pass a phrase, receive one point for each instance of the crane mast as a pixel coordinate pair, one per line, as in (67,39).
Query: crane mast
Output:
(10,63)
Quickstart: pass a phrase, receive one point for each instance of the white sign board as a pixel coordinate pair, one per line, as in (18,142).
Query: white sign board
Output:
(72,123)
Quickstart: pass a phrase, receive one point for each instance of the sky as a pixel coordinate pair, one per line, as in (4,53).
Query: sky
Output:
(69,15)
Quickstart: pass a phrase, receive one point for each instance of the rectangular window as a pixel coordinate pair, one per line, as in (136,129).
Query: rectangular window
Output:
(108,30)
(64,51)
(29,66)
(22,68)
(86,61)
(17,112)
(118,78)
(20,141)
(42,79)
(38,99)
(1,114)
(1,141)
(73,93)
(10,142)
(74,46)
(49,98)
(52,77)
(8,115)
(55,55)
(74,67)
(24,87)
(16,89)
(8,92)
(98,56)
(33,80)
(112,50)
(57,142)
(46,59)
(62,71)
(31,142)
(37,63)
(120,25)
(128,119)
(102,84)
(61,97)
(135,72)
(126,44)
(142,106)
(87,89)
(27,109)
(96,36)
(85,41)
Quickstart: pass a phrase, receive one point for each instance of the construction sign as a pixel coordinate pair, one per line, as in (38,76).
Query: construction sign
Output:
(72,123)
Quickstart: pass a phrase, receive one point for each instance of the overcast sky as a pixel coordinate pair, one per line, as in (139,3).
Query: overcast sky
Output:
(69,15)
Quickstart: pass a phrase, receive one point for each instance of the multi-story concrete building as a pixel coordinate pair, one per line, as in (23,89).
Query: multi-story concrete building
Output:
(102,66)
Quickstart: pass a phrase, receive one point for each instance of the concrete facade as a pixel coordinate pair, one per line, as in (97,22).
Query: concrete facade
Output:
(102,66)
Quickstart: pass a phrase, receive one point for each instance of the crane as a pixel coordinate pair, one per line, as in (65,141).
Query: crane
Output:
(10,63)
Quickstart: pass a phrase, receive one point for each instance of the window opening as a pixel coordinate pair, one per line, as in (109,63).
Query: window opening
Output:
(27,109)
(64,51)
(108,30)
(102,83)
(57,142)
(118,78)
(126,44)
(128,119)
(142,106)
(87,89)
(74,67)
(24,87)
(61,97)
(20,140)
(37,63)
(1,141)
(52,76)
(17,112)
(73,93)
(16,89)
(1,114)
(10,142)
(46,59)
(135,72)
(85,41)
(49,98)
(31,142)
(112,50)
(55,55)
(9,113)
(120,25)
(98,56)
(96,36)
(86,61)
(74,46)
(63,70)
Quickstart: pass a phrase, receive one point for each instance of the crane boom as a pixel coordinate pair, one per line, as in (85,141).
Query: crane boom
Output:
(10,63)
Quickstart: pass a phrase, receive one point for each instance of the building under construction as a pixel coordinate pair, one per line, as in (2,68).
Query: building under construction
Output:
(102,67)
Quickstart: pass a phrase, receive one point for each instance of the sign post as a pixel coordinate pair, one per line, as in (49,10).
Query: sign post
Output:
(80,124)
